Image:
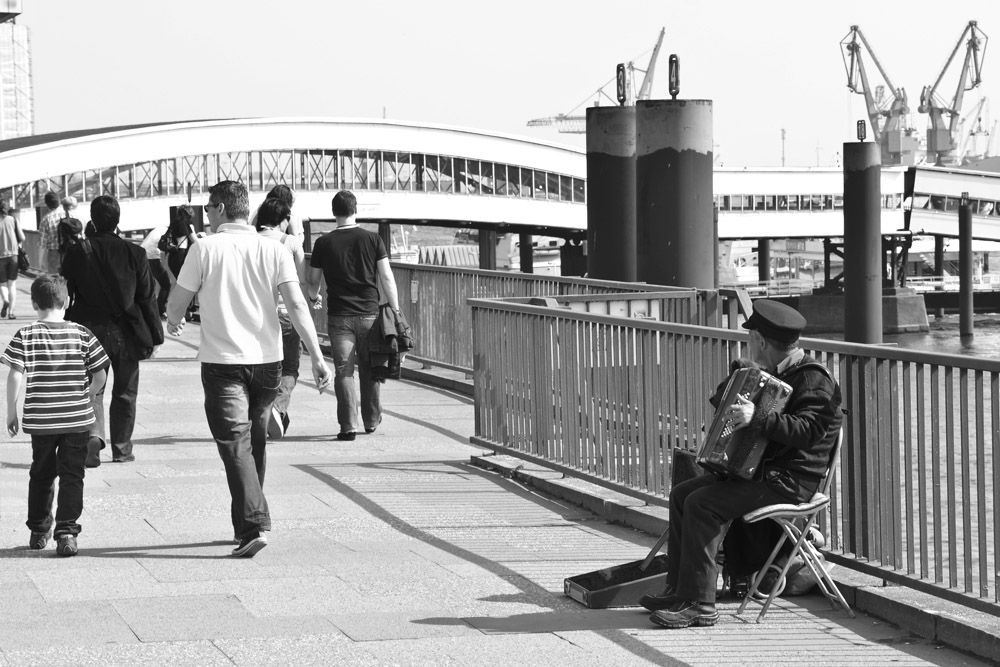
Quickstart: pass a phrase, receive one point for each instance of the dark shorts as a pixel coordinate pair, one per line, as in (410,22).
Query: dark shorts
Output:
(8,269)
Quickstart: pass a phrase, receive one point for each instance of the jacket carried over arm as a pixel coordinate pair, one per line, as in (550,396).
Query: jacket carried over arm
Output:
(388,340)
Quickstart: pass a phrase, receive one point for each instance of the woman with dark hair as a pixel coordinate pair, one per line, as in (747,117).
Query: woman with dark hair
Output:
(179,237)
(284,194)
(271,215)
(11,238)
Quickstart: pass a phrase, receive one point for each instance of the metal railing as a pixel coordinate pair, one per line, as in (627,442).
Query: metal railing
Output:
(608,398)
(434,301)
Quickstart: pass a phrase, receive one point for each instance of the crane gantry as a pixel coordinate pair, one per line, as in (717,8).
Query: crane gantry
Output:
(887,111)
(943,139)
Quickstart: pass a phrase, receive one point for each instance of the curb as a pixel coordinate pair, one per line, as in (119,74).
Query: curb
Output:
(961,628)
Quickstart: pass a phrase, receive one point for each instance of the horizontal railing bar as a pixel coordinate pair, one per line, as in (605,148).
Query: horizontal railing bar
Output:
(575,473)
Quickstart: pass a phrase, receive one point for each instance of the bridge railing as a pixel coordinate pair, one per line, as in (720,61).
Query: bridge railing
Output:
(608,398)
(434,301)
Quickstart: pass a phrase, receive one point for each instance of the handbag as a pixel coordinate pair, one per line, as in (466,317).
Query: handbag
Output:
(130,319)
(22,261)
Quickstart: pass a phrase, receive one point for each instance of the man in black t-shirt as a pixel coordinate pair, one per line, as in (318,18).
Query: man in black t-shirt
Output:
(354,262)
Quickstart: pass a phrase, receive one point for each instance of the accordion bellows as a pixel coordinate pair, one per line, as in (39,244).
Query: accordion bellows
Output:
(739,453)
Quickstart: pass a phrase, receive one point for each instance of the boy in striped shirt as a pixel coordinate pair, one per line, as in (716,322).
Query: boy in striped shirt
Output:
(65,366)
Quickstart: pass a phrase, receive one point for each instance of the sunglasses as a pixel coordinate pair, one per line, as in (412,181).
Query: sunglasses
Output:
(209,206)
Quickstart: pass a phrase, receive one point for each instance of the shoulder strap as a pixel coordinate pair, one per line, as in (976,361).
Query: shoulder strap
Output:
(815,365)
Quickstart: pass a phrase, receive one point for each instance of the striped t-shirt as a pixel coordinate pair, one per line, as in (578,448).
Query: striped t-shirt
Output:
(57,359)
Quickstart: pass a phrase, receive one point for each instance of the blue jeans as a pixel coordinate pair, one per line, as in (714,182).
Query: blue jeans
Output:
(291,344)
(124,389)
(61,455)
(237,404)
(349,343)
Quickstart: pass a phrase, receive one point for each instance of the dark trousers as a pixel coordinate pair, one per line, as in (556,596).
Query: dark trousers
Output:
(60,455)
(238,402)
(291,344)
(124,389)
(163,281)
(700,510)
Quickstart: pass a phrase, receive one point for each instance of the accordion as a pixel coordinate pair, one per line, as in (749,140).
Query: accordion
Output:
(738,453)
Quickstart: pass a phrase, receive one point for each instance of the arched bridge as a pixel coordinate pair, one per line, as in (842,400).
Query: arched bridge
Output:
(401,172)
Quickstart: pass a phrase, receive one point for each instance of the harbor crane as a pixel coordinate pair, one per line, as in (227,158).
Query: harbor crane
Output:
(573,123)
(886,104)
(943,139)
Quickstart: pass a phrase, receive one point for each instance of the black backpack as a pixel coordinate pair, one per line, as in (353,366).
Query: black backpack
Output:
(69,231)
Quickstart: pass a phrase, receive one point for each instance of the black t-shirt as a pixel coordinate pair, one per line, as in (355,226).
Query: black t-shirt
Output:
(348,258)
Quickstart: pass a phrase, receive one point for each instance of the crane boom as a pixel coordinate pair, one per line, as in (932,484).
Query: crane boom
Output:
(886,114)
(647,81)
(573,123)
(942,139)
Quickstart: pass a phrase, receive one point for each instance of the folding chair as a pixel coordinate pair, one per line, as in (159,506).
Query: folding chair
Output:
(796,520)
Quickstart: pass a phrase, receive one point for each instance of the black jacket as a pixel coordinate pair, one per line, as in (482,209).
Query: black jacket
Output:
(126,274)
(801,437)
(388,340)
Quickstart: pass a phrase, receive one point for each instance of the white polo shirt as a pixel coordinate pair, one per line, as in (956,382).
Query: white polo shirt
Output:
(236,273)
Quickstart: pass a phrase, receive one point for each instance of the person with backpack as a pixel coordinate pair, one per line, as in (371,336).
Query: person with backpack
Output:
(48,237)
(11,238)
(112,295)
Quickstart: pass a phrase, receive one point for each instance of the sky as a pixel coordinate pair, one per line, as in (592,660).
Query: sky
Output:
(767,66)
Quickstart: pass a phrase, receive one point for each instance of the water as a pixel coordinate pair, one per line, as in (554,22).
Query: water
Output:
(943,337)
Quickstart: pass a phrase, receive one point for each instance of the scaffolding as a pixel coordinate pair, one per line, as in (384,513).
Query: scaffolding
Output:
(17,108)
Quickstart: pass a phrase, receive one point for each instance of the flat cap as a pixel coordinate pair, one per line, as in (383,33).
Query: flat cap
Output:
(776,321)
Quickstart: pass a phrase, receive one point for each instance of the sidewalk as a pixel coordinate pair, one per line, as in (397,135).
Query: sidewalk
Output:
(389,550)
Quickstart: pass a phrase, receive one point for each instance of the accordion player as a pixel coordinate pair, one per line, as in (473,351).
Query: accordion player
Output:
(738,453)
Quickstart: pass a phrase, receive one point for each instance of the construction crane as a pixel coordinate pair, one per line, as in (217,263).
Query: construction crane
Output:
(887,113)
(942,139)
(977,140)
(572,123)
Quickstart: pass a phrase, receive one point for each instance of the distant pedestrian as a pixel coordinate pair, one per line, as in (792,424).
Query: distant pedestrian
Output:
(295,225)
(11,238)
(271,215)
(64,365)
(111,292)
(237,275)
(355,264)
(70,228)
(179,238)
(155,258)
(48,240)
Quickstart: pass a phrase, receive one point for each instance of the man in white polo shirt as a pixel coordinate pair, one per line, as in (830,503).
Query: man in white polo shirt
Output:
(237,276)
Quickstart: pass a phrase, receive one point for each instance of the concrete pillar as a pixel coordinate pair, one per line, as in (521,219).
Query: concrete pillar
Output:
(487,249)
(611,226)
(674,204)
(862,243)
(572,260)
(527,253)
(763,260)
(385,233)
(939,270)
(965,305)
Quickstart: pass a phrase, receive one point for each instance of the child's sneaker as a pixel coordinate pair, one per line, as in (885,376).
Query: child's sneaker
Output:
(66,545)
(39,540)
